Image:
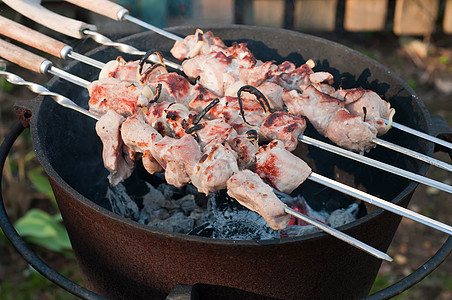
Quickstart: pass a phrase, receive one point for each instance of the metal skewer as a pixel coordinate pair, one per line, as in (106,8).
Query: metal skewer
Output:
(313,176)
(430,160)
(41,65)
(43,42)
(79,29)
(339,234)
(38,89)
(420,134)
(36,12)
(376,163)
(119,13)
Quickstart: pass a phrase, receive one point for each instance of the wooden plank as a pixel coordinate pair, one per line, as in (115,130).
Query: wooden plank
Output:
(447,23)
(269,12)
(312,15)
(365,15)
(218,12)
(415,17)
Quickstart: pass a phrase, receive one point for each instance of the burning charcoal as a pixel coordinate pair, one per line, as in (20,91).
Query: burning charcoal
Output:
(199,215)
(153,196)
(121,203)
(297,230)
(176,223)
(161,214)
(187,204)
(167,190)
(241,225)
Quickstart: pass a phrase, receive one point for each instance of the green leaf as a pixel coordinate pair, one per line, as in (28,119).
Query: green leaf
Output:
(40,228)
(41,182)
(36,223)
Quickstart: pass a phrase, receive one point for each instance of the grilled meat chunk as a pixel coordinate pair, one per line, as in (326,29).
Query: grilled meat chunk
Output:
(284,127)
(246,146)
(250,191)
(350,132)
(140,138)
(110,93)
(115,155)
(280,168)
(177,157)
(193,45)
(317,107)
(371,108)
(214,168)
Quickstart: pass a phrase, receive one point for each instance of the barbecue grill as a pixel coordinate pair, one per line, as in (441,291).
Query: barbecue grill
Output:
(122,259)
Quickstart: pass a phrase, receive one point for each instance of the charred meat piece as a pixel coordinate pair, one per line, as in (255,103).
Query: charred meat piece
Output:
(371,108)
(115,155)
(280,168)
(200,97)
(192,45)
(231,113)
(215,71)
(284,127)
(317,107)
(141,137)
(297,79)
(121,70)
(175,88)
(350,132)
(214,168)
(250,191)
(122,96)
(246,147)
(214,132)
(177,157)
(179,118)
(329,117)
(156,117)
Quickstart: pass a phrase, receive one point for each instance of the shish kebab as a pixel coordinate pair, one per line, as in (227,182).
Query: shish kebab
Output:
(155,157)
(32,9)
(75,28)
(116,12)
(9,49)
(14,79)
(25,35)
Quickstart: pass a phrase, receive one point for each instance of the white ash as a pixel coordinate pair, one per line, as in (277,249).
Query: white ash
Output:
(175,210)
(341,217)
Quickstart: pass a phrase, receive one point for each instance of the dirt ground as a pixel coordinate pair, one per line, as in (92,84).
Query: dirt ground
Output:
(425,65)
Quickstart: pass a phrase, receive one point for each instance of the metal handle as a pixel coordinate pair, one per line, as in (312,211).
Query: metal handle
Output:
(103,7)
(83,293)
(31,37)
(33,10)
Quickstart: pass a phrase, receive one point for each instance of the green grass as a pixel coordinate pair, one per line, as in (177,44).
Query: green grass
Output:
(34,286)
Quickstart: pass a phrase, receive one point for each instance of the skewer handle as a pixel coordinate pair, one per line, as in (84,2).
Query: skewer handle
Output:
(32,38)
(23,57)
(103,7)
(33,10)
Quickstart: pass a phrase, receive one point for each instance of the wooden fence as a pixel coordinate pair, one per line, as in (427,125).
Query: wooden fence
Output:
(404,17)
